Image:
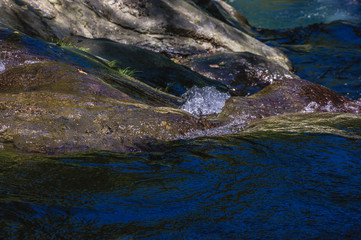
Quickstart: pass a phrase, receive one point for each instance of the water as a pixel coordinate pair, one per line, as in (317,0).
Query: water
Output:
(204,101)
(295,176)
(294,13)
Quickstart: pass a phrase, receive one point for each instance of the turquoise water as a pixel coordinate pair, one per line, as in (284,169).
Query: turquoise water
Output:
(294,13)
(288,177)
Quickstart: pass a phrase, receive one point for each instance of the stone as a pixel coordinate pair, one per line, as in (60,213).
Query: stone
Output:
(59,123)
(287,96)
(244,73)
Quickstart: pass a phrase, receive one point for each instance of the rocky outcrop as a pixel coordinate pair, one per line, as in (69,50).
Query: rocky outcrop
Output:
(175,28)
(287,96)
(244,73)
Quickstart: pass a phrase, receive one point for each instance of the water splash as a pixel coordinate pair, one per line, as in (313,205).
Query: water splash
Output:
(2,67)
(204,101)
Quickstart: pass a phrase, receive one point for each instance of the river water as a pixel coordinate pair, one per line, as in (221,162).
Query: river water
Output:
(288,177)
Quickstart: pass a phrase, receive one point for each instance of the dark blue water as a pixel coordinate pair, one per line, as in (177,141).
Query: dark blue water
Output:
(293,177)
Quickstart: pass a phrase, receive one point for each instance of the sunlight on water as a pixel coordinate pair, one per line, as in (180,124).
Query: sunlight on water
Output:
(204,101)
(2,67)
(286,13)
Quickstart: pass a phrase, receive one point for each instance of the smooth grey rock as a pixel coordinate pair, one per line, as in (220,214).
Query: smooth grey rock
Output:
(172,27)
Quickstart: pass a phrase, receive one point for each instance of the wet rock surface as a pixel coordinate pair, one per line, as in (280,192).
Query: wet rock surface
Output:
(58,123)
(287,96)
(243,72)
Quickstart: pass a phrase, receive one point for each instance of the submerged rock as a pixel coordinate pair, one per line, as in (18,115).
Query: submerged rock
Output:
(173,27)
(287,96)
(341,124)
(243,72)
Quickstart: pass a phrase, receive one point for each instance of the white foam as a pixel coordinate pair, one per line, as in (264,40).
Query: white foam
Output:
(204,101)
(311,107)
(2,67)
(329,107)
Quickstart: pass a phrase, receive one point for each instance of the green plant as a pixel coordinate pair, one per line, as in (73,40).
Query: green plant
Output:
(59,43)
(127,71)
(112,64)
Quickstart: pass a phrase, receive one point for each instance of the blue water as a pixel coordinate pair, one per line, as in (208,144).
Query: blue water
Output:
(293,177)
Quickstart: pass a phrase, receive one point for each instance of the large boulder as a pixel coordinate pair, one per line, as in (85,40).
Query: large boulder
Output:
(287,96)
(174,27)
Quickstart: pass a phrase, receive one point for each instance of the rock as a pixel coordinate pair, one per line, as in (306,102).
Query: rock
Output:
(243,72)
(287,96)
(57,123)
(150,67)
(175,28)
(56,77)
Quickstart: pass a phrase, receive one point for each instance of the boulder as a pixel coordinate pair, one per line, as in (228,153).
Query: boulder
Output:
(243,72)
(174,27)
(287,96)
(57,123)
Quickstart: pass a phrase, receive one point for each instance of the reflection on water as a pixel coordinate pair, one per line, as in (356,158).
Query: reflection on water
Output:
(295,176)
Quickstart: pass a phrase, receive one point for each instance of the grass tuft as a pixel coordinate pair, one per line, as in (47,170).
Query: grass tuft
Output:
(59,43)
